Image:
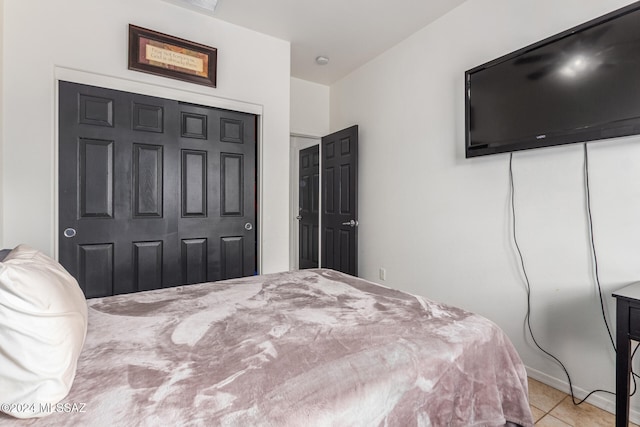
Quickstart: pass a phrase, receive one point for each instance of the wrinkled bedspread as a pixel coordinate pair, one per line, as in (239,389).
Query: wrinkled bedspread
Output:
(307,348)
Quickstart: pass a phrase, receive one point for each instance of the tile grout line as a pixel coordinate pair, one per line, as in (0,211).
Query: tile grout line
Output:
(554,407)
(568,396)
(558,404)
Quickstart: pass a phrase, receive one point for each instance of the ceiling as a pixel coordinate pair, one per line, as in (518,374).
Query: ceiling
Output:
(348,32)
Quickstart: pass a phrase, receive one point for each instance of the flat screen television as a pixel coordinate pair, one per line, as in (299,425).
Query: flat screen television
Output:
(580,85)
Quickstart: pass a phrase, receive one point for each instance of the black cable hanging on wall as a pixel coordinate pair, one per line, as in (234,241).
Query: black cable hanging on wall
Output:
(528,288)
(594,254)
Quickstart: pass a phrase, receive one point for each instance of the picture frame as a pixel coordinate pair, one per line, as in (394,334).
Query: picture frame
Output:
(168,56)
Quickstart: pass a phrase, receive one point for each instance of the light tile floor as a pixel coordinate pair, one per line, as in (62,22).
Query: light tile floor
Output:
(553,408)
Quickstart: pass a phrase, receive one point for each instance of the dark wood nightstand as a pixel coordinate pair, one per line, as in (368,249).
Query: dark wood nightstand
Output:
(628,328)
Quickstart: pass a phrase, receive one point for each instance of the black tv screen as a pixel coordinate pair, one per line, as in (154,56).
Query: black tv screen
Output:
(580,85)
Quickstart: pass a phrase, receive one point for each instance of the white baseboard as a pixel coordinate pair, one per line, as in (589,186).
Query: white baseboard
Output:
(606,403)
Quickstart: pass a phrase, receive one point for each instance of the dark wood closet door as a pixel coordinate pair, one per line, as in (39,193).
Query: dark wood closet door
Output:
(308,212)
(152,192)
(217,194)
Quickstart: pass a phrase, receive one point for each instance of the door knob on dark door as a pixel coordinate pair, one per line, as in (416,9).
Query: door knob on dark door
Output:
(299,217)
(352,223)
(69,232)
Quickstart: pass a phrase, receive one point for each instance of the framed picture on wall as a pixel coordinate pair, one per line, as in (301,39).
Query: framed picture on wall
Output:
(164,55)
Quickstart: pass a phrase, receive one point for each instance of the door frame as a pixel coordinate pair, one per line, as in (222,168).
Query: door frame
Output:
(299,142)
(144,88)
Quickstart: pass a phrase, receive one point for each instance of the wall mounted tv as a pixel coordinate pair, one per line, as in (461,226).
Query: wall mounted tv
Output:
(580,85)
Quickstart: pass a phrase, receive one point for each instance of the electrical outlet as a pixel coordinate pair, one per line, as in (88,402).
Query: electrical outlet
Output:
(383,274)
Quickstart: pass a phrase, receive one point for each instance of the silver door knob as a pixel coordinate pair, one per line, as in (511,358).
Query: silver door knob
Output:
(299,217)
(69,233)
(352,223)
(248,226)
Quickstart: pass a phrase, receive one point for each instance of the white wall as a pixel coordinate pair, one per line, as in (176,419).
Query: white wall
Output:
(44,40)
(309,108)
(440,223)
(1,102)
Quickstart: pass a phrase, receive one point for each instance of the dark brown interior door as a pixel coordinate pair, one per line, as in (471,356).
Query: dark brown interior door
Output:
(153,192)
(340,201)
(308,213)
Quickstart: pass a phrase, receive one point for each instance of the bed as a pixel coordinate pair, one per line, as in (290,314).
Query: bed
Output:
(304,348)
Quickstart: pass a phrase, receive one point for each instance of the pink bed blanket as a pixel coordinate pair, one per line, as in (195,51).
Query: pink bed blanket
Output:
(305,348)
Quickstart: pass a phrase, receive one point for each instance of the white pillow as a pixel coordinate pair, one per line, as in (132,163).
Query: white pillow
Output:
(43,324)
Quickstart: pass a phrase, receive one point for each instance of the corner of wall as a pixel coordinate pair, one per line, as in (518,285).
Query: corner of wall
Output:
(309,108)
